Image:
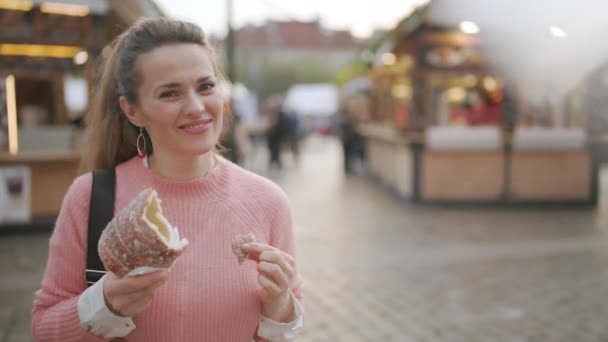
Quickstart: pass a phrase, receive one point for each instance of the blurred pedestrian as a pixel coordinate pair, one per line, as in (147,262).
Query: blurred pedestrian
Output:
(352,141)
(235,141)
(278,130)
(293,132)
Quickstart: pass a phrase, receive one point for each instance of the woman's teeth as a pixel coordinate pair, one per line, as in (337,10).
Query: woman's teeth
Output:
(202,124)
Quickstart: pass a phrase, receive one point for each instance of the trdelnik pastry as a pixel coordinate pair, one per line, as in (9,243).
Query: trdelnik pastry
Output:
(140,236)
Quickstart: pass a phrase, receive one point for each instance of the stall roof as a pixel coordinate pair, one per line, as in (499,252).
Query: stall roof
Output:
(420,17)
(98,7)
(516,38)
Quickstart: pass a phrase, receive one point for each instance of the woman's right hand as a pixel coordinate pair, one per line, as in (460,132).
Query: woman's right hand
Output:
(132,294)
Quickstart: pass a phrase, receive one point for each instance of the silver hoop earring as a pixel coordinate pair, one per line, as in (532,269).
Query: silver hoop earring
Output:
(142,150)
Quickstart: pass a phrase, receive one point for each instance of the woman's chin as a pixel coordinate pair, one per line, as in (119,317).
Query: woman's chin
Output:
(198,151)
(195,148)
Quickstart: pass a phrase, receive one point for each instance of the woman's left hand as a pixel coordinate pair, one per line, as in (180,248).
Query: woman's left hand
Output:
(276,269)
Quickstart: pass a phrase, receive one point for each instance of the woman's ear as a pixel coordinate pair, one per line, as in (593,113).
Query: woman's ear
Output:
(130,112)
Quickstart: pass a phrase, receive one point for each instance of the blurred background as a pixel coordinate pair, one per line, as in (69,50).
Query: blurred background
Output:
(445,159)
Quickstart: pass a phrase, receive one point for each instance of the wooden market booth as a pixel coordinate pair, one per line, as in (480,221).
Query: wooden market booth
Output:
(446,128)
(48,57)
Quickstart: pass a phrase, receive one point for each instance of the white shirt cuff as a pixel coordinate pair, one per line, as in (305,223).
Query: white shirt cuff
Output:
(280,332)
(96,318)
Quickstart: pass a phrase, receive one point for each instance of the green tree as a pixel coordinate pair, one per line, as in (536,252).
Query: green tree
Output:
(354,69)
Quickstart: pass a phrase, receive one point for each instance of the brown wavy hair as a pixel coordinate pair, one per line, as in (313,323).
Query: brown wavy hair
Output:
(110,137)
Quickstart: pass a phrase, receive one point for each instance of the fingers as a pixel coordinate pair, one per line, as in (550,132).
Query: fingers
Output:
(275,274)
(256,249)
(276,267)
(269,286)
(140,305)
(279,259)
(130,295)
(128,305)
(134,284)
(277,254)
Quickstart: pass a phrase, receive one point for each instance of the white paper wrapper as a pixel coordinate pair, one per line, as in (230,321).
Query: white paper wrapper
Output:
(143,270)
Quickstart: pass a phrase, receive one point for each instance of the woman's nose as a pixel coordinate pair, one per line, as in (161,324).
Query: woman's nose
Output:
(194,103)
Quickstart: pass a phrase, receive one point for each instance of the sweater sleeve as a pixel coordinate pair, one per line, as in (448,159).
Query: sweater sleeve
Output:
(55,307)
(274,331)
(282,237)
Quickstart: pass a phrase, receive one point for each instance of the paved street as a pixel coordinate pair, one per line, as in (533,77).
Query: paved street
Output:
(380,269)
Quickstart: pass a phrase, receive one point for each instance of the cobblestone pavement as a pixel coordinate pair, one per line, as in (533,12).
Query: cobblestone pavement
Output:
(381,269)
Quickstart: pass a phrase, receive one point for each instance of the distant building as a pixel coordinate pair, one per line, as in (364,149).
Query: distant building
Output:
(294,42)
(273,56)
(290,42)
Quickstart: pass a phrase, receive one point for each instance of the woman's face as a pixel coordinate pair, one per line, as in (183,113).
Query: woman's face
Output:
(179,101)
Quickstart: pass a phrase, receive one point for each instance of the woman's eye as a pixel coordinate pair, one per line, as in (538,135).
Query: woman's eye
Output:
(167,94)
(207,86)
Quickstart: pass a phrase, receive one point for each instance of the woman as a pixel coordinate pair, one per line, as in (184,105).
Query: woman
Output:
(156,117)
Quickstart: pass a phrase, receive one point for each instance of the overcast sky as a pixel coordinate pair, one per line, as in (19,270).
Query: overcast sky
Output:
(517,32)
(361,17)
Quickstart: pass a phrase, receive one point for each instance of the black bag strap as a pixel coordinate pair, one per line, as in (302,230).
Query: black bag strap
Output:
(101,211)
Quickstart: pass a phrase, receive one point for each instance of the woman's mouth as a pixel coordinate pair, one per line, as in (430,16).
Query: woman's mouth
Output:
(196,127)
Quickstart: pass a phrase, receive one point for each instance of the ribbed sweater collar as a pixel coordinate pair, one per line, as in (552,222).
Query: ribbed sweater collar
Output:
(212,183)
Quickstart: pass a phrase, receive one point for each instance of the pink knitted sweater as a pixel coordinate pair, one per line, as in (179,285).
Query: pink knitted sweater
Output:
(208,295)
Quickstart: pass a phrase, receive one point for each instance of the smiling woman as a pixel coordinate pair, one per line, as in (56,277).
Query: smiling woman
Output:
(178,104)
(155,118)
(183,83)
